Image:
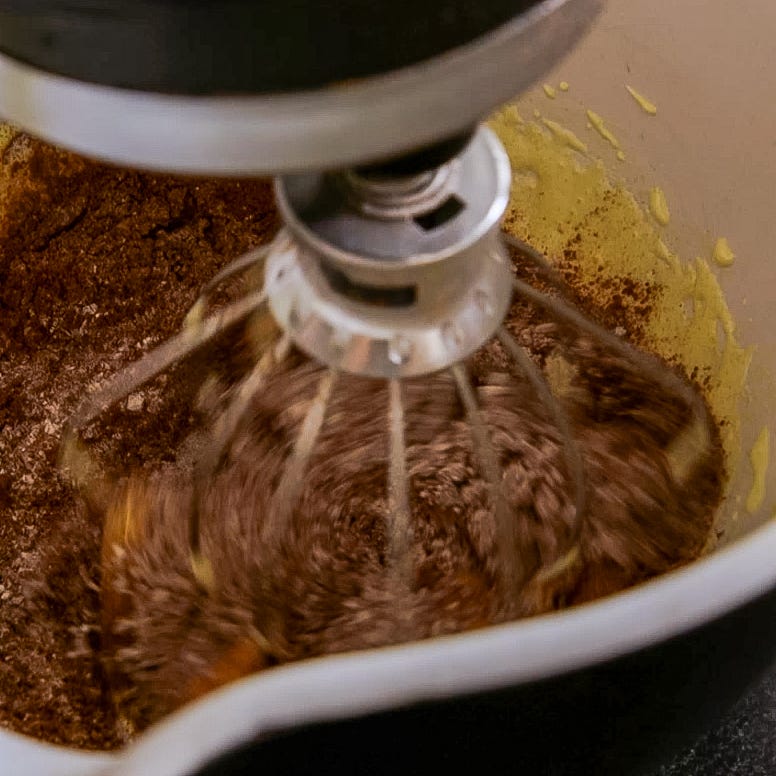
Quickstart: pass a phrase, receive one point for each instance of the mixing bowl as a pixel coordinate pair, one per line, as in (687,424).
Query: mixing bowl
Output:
(620,685)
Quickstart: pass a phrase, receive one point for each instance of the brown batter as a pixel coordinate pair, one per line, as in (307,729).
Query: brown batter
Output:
(138,247)
(322,582)
(96,265)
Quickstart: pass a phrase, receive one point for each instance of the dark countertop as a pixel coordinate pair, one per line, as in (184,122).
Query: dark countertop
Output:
(744,744)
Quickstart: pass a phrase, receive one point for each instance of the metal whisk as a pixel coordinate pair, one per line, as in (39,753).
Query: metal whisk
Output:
(386,276)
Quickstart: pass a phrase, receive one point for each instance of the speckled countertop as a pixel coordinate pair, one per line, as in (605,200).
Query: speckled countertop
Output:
(744,744)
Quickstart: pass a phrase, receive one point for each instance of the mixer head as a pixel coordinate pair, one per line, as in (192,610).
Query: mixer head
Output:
(395,268)
(244,87)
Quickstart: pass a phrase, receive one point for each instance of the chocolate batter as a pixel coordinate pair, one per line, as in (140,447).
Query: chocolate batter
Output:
(97,265)
(322,582)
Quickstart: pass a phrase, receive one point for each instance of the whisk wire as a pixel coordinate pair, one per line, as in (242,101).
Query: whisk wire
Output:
(647,363)
(292,480)
(537,258)
(398,528)
(511,567)
(163,357)
(575,466)
(224,431)
(251,258)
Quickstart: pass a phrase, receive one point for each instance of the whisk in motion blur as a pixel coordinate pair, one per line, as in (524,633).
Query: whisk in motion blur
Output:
(395,279)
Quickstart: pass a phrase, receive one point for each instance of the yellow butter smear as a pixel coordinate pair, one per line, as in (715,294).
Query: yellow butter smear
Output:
(723,253)
(565,136)
(658,206)
(758,457)
(573,198)
(7,133)
(599,125)
(646,105)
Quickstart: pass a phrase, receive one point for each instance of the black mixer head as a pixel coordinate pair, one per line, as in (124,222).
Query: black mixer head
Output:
(246,87)
(240,46)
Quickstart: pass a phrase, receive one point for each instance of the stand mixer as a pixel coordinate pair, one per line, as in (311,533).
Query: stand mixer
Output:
(391,264)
